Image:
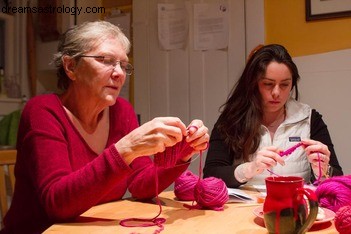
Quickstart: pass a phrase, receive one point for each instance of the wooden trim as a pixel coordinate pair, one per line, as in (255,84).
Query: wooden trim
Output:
(332,15)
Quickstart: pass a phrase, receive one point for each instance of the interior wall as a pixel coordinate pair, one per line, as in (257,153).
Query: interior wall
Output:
(325,83)
(46,71)
(286,24)
(185,83)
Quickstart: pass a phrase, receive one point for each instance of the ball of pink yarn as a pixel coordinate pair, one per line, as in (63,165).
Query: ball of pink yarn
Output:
(184,186)
(343,220)
(211,193)
(335,192)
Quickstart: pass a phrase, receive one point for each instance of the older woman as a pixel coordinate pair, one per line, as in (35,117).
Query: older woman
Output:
(261,118)
(84,147)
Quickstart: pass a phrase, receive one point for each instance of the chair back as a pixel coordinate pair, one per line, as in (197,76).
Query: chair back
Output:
(7,178)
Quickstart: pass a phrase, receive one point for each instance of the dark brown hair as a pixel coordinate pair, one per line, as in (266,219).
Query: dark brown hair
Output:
(241,115)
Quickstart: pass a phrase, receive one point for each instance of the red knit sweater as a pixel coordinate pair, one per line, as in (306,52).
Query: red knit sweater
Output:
(58,176)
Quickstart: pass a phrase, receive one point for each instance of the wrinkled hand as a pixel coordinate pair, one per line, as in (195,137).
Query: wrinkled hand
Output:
(197,137)
(312,149)
(153,137)
(265,158)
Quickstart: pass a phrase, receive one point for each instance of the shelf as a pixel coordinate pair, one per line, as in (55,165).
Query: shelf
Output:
(11,100)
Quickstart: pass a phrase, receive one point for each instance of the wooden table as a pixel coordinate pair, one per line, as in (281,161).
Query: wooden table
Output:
(235,218)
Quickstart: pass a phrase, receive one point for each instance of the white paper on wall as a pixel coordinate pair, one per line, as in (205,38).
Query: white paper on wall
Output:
(211,26)
(172,26)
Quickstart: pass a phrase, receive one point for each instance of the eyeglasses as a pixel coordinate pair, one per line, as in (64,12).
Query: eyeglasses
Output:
(110,61)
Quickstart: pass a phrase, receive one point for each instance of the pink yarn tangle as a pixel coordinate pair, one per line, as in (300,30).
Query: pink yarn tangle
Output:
(184,186)
(335,192)
(343,220)
(290,150)
(144,222)
(211,193)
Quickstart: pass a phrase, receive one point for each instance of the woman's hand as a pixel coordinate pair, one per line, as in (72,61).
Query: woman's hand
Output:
(312,149)
(266,158)
(197,137)
(153,137)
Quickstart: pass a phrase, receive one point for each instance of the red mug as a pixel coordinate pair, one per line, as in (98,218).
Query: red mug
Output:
(285,209)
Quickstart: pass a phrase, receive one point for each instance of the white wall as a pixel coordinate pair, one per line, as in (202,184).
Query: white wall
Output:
(185,83)
(325,85)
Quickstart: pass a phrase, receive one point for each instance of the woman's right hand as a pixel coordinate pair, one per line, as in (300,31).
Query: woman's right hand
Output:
(151,138)
(266,158)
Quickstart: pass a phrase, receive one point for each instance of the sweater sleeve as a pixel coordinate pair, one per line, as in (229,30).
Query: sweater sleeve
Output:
(67,177)
(220,160)
(319,132)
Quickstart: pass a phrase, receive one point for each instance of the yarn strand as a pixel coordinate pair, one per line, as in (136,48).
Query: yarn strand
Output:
(145,222)
(166,159)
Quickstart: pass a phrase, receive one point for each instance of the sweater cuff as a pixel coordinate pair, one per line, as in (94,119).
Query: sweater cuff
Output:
(116,158)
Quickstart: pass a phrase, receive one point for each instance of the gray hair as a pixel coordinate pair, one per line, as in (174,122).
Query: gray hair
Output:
(81,39)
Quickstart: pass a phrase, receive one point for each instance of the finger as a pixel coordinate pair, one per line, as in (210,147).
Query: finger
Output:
(267,163)
(194,126)
(199,136)
(173,122)
(273,154)
(315,146)
(272,148)
(324,158)
(308,142)
(161,141)
(201,146)
(191,129)
(171,127)
(201,141)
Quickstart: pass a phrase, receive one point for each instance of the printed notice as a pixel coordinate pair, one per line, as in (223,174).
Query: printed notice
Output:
(172,26)
(211,24)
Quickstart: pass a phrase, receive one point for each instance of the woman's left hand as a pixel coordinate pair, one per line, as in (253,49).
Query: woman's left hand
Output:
(317,151)
(197,137)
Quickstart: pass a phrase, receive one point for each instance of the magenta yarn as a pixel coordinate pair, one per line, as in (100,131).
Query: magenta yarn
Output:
(211,193)
(343,220)
(184,186)
(335,192)
(169,157)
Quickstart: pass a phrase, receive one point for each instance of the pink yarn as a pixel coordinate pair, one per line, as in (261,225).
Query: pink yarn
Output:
(343,220)
(169,157)
(184,186)
(290,150)
(335,192)
(166,159)
(211,193)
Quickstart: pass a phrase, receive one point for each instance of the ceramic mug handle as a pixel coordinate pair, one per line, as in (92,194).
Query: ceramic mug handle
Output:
(313,204)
